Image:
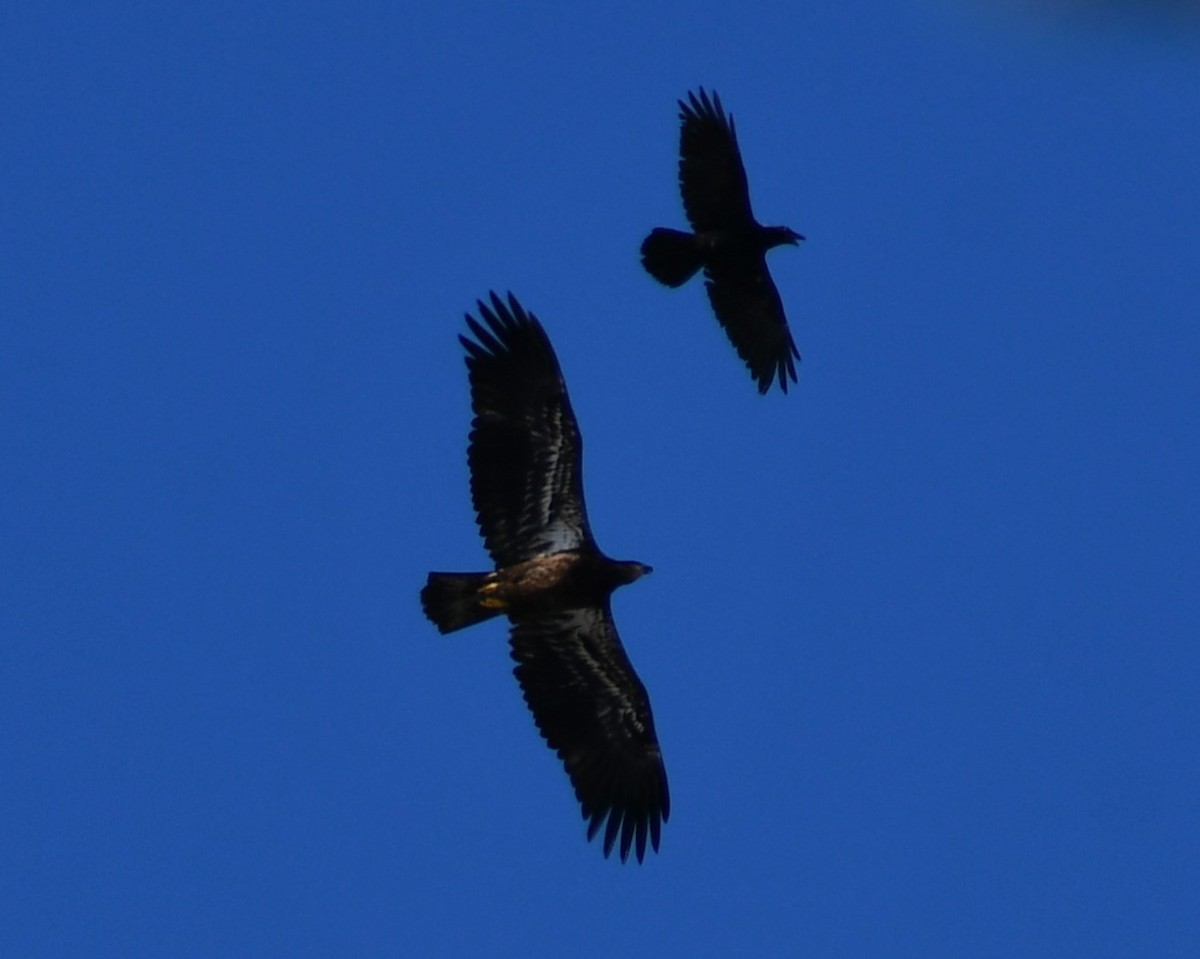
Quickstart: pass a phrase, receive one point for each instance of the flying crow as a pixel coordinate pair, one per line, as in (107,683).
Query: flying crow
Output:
(728,243)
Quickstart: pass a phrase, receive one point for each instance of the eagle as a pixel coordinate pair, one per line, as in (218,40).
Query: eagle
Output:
(728,242)
(552,581)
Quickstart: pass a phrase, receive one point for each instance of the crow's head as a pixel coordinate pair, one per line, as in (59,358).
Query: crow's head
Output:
(779,236)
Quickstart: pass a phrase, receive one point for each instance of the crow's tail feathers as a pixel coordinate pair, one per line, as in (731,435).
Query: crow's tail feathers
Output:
(455,600)
(671,256)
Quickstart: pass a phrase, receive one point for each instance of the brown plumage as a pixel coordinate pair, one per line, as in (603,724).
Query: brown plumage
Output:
(552,581)
(727,242)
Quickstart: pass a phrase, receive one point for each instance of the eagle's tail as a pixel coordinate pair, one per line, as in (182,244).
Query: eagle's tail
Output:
(671,256)
(456,600)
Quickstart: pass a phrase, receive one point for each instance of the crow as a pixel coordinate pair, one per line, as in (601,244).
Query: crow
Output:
(728,242)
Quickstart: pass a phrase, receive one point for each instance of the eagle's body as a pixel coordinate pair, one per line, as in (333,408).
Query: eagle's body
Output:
(552,581)
(525,590)
(727,242)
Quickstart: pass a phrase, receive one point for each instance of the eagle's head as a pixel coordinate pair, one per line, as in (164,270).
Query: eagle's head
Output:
(629,571)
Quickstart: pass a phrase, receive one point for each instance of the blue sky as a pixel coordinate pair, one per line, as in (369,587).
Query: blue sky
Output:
(921,637)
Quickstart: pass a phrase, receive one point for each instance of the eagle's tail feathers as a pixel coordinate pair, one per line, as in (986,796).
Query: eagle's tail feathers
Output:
(453,601)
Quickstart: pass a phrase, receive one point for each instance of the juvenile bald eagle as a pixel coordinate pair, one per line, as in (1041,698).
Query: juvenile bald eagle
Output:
(728,243)
(552,581)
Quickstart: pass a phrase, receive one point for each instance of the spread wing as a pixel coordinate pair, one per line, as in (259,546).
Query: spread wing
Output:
(593,711)
(525,453)
(711,176)
(747,304)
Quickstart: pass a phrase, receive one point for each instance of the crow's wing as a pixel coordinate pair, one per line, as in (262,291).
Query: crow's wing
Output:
(711,176)
(747,304)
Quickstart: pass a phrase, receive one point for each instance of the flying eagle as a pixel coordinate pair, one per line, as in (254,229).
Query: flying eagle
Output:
(728,243)
(552,580)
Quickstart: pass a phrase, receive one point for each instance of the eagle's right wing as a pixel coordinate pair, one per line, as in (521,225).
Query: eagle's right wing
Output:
(594,712)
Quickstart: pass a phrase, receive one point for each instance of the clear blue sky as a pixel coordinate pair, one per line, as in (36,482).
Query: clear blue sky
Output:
(922,636)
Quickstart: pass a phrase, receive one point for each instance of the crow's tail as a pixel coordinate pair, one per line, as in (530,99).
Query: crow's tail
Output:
(671,256)
(454,600)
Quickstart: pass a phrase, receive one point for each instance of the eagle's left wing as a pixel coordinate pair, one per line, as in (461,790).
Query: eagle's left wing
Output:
(594,712)
(525,454)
